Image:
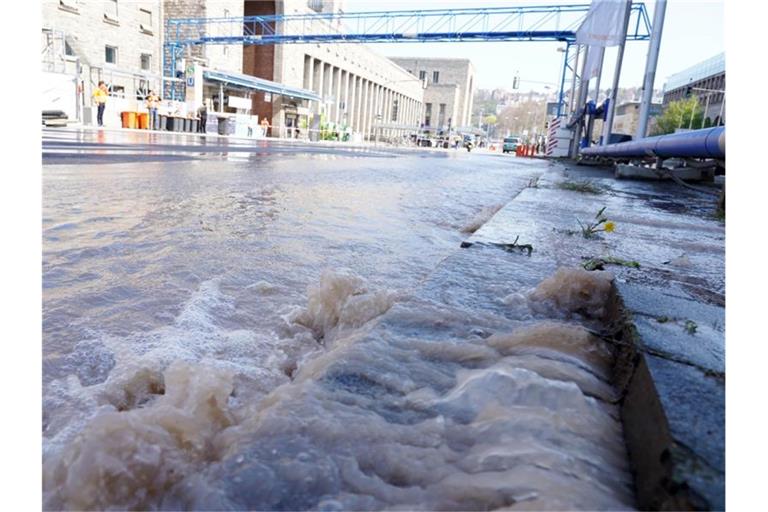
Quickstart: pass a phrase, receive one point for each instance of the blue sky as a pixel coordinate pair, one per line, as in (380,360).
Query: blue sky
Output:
(693,31)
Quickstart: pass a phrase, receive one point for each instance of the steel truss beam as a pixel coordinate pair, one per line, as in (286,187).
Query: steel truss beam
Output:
(532,23)
(522,23)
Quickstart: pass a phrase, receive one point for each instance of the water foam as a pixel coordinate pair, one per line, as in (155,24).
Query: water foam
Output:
(519,418)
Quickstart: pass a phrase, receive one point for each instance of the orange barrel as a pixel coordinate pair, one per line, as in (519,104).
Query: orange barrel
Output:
(129,119)
(144,120)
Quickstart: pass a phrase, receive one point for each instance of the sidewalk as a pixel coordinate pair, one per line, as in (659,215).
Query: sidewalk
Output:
(669,317)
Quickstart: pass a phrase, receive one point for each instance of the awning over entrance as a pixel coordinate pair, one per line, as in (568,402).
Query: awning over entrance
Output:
(259,84)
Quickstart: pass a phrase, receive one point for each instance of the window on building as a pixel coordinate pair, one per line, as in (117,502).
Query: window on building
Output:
(422,75)
(68,50)
(315,5)
(226,13)
(110,10)
(146,61)
(68,5)
(428,114)
(145,17)
(110,54)
(441,115)
(435,77)
(145,21)
(394,109)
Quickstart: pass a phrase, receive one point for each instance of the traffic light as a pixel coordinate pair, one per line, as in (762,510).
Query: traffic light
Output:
(516,82)
(688,91)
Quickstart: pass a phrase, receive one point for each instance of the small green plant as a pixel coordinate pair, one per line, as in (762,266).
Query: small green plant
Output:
(690,327)
(600,223)
(585,187)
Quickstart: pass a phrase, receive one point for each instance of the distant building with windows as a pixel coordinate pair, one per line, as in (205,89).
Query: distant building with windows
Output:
(296,87)
(704,80)
(84,42)
(450,89)
(627,117)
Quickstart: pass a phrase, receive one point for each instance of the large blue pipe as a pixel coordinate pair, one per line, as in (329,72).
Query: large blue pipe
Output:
(706,143)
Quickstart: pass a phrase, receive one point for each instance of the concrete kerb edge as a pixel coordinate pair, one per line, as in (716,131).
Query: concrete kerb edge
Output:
(660,464)
(664,469)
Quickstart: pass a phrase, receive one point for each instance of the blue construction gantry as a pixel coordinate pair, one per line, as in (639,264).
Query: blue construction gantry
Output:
(521,23)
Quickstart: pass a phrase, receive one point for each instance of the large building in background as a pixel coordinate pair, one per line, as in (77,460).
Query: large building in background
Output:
(357,87)
(449,93)
(344,86)
(708,74)
(84,42)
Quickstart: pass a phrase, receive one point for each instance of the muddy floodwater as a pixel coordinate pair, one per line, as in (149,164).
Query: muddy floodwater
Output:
(209,343)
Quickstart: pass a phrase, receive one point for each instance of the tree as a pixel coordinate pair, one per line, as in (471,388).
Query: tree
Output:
(526,115)
(679,114)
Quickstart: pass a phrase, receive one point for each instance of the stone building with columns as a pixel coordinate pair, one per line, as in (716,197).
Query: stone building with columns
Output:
(358,87)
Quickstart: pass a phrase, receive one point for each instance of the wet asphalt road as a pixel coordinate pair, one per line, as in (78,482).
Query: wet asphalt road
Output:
(70,146)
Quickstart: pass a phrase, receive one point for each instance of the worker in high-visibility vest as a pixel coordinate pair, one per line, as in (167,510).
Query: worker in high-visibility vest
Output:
(100,99)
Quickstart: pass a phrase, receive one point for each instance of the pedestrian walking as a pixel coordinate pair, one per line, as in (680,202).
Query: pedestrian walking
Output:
(153,104)
(100,99)
(264,125)
(202,113)
(153,101)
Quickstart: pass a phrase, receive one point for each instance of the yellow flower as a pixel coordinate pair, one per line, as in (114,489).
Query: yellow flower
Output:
(609,227)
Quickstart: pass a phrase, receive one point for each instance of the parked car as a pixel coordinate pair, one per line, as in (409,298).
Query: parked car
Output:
(510,144)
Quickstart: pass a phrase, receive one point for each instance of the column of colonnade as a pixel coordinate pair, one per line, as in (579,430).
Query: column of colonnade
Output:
(408,111)
(359,104)
(330,111)
(318,80)
(372,118)
(366,107)
(345,92)
(309,73)
(352,99)
(337,97)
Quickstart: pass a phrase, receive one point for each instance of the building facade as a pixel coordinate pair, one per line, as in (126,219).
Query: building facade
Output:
(705,80)
(359,88)
(223,57)
(123,43)
(119,42)
(627,117)
(450,90)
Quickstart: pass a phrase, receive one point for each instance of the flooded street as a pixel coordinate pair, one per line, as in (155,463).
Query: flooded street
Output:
(208,340)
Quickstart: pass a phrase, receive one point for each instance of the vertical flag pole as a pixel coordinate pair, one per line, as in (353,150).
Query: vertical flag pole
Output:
(616,75)
(650,67)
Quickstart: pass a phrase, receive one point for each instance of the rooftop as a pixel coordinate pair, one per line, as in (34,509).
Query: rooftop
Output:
(712,66)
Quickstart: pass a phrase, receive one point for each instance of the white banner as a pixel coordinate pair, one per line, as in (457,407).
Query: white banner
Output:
(603,25)
(592,65)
